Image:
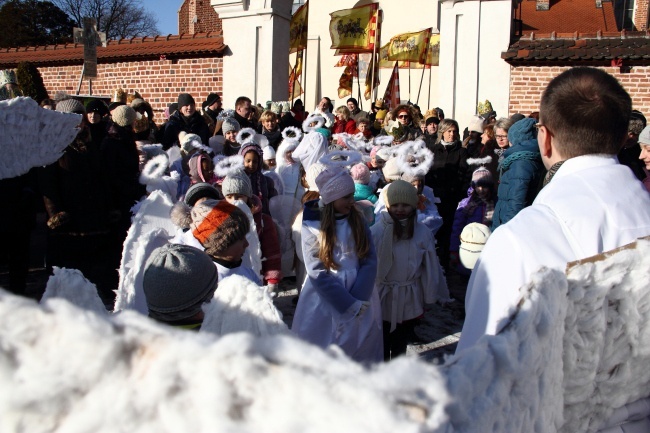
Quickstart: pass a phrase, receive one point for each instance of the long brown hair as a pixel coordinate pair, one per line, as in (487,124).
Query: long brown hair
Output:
(328,239)
(405,231)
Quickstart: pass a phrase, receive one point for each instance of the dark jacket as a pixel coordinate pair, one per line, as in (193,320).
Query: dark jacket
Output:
(194,124)
(244,123)
(121,169)
(449,176)
(521,174)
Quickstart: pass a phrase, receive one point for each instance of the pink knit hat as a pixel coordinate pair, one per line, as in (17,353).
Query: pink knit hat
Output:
(333,183)
(360,173)
(482,175)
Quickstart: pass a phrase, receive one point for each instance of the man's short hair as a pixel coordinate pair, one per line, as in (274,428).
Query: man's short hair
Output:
(587,111)
(353,100)
(241,101)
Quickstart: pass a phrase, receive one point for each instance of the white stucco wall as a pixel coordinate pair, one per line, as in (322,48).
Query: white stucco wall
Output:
(255,30)
(400,16)
(473,34)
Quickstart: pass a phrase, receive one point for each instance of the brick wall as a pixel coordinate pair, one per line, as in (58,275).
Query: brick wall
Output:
(159,82)
(641,15)
(528,82)
(207,19)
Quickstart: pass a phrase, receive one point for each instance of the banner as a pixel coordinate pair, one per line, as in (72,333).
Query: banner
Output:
(392,96)
(369,75)
(298,29)
(347,60)
(354,29)
(295,89)
(348,75)
(433,53)
(410,47)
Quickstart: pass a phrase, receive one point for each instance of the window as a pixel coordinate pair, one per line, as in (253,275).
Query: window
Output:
(624,13)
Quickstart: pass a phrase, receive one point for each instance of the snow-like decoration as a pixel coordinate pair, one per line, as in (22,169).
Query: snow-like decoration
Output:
(239,305)
(32,136)
(575,348)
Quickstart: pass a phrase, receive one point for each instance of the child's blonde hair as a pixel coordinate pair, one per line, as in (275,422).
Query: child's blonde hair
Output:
(328,239)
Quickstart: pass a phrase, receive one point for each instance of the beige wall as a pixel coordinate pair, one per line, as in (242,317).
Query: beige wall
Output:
(400,16)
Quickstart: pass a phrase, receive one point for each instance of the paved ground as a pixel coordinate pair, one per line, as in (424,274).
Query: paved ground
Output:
(438,331)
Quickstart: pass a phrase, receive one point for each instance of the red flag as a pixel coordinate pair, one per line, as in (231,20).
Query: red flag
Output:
(392,96)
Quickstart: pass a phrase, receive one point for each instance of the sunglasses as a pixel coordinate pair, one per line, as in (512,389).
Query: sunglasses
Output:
(403,116)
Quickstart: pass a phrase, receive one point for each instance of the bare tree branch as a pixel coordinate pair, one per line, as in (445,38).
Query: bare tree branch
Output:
(118,18)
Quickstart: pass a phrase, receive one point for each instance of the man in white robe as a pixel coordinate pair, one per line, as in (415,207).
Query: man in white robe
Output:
(590,203)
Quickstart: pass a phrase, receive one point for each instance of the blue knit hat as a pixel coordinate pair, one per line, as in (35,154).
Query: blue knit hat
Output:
(523,130)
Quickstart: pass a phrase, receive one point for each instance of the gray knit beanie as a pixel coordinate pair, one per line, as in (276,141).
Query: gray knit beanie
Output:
(237,183)
(178,279)
(230,124)
(70,106)
(124,115)
(201,190)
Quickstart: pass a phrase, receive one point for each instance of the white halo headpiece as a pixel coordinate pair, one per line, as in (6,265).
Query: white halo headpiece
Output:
(384,140)
(246,135)
(340,158)
(227,165)
(297,133)
(413,158)
(320,122)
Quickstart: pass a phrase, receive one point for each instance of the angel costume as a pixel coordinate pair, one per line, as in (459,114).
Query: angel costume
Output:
(329,309)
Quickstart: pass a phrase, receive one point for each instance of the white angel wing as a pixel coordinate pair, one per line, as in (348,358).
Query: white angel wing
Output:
(32,136)
(151,228)
(71,285)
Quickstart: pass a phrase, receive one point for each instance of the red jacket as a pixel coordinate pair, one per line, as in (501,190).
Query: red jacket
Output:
(342,126)
(269,244)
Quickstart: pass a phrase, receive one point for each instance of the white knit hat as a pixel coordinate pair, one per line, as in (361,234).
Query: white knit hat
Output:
(476,124)
(187,141)
(472,240)
(268,153)
(333,183)
(124,115)
(312,173)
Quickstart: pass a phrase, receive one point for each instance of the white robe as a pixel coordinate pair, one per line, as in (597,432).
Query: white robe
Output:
(319,322)
(593,204)
(409,273)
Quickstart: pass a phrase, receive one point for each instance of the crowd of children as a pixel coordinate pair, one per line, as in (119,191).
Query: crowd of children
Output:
(365,210)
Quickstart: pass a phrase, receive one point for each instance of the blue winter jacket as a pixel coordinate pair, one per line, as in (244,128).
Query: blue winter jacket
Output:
(520,178)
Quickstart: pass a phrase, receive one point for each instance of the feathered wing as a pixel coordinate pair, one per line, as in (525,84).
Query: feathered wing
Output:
(32,136)
(239,305)
(253,256)
(152,227)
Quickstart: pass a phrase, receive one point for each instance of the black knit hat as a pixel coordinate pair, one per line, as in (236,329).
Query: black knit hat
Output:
(432,119)
(185,99)
(212,98)
(97,105)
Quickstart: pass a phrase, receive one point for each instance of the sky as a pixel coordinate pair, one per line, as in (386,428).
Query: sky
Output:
(166,12)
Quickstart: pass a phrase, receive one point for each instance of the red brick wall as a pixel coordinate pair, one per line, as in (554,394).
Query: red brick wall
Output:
(527,84)
(159,82)
(207,19)
(641,15)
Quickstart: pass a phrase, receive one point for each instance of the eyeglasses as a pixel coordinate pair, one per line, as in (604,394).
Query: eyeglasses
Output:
(539,125)
(501,137)
(403,116)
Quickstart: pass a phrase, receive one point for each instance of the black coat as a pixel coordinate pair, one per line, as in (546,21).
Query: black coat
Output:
(449,176)
(195,124)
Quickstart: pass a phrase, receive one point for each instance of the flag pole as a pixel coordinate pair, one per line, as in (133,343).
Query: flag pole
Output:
(409,81)
(295,78)
(373,64)
(360,106)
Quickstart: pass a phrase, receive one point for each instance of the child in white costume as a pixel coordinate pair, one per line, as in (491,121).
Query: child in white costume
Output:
(338,303)
(409,274)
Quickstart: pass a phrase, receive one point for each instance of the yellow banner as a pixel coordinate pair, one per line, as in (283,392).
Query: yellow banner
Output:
(345,82)
(354,29)
(298,29)
(369,78)
(295,89)
(410,47)
(433,53)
